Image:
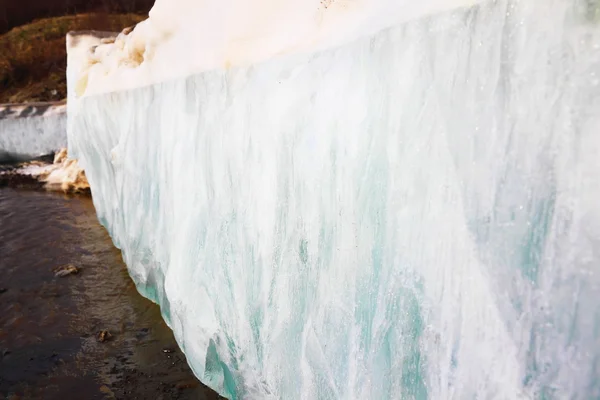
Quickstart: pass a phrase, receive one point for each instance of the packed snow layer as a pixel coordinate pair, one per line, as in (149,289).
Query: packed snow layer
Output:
(31,130)
(411,215)
(81,56)
(182,37)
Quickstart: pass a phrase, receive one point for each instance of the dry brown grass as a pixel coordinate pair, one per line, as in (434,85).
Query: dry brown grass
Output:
(33,57)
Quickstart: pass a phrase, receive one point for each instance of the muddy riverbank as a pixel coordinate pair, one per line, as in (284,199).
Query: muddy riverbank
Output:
(49,325)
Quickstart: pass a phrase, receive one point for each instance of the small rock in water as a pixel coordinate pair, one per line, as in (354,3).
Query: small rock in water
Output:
(66,270)
(106,390)
(142,332)
(167,350)
(189,384)
(104,336)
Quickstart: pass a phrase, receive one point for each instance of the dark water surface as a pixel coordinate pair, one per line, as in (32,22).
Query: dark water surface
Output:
(49,325)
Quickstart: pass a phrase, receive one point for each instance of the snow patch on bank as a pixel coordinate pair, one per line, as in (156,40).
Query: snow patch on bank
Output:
(63,175)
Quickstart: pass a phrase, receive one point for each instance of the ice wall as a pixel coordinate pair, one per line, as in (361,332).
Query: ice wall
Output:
(182,37)
(31,130)
(411,215)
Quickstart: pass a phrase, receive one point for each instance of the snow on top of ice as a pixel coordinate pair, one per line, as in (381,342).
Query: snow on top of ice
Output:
(182,37)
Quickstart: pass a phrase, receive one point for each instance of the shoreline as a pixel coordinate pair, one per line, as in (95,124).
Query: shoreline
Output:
(50,325)
(53,172)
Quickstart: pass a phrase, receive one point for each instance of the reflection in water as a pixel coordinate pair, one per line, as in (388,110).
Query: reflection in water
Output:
(48,325)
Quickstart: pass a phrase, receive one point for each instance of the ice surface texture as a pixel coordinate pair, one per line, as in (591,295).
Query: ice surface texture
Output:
(412,215)
(33,136)
(184,37)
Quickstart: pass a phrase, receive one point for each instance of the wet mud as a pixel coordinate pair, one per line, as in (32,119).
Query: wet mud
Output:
(85,334)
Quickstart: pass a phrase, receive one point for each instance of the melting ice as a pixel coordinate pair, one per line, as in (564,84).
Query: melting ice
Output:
(413,214)
(28,131)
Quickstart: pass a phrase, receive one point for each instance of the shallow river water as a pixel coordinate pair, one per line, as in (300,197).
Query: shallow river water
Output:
(49,325)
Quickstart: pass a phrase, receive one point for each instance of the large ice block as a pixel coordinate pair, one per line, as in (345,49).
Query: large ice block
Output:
(31,130)
(412,215)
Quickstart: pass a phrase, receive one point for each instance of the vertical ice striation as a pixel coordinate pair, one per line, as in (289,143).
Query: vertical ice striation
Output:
(31,130)
(412,215)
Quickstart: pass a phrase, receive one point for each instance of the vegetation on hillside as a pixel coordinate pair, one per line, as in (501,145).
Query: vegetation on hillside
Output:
(33,57)
(15,13)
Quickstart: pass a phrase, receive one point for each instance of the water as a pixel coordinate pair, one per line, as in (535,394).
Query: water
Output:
(48,325)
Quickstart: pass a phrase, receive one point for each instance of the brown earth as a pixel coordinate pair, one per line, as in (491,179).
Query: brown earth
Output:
(18,12)
(33,57)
